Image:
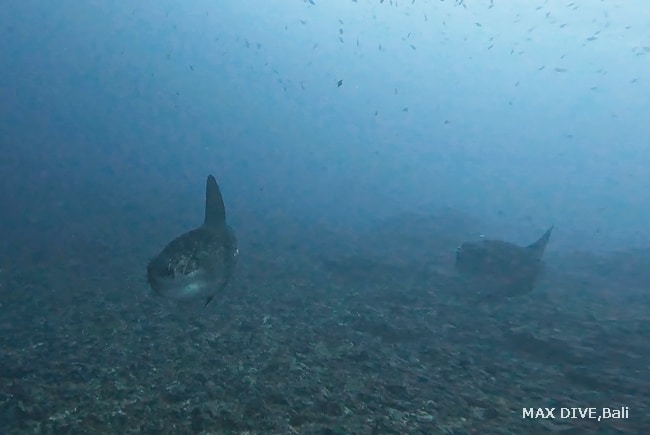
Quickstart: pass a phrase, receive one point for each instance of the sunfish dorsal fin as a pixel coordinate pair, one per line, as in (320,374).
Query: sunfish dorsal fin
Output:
(215,211)
(540,245)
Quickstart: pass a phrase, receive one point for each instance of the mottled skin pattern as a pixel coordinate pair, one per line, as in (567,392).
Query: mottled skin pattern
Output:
(212,252)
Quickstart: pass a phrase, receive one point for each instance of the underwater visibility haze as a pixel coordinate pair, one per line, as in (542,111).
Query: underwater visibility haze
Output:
(420,217)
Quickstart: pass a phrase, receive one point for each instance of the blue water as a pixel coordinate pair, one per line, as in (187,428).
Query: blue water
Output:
(356,144)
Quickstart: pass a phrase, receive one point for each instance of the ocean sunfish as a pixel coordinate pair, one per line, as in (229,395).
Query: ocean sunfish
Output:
(502,268)
(200,262)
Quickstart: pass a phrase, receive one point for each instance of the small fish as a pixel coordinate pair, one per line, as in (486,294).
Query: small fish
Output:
(339,83)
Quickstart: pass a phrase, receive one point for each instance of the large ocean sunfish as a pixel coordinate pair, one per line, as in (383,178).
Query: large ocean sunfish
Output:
(199,263)
(500,267)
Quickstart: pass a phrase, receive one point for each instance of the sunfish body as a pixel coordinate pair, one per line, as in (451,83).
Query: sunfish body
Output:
(199,263)
(502,268)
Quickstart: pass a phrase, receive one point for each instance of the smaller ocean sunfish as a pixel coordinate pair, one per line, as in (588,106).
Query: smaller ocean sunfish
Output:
(199,263)
(502,267)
